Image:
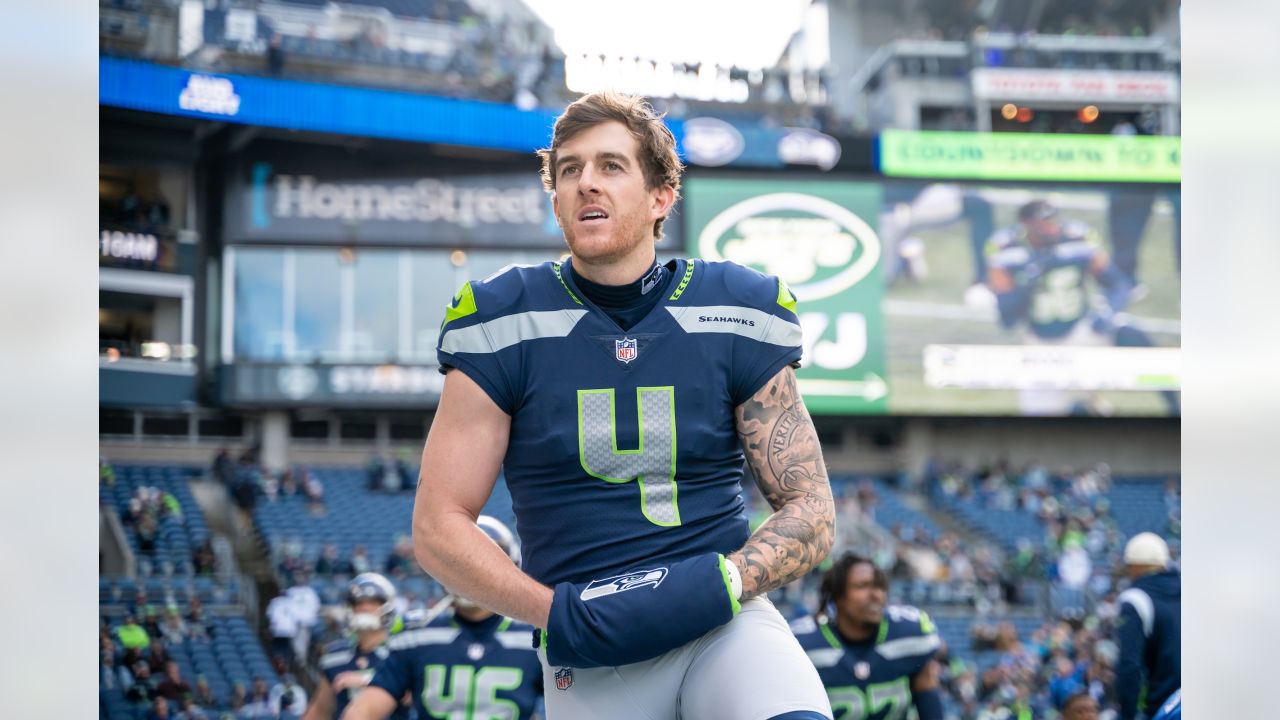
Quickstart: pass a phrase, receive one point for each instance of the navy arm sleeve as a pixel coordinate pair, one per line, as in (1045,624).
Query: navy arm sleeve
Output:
(1129,668)
(394,676)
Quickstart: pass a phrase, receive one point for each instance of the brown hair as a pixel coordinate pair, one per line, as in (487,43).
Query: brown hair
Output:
(658,156)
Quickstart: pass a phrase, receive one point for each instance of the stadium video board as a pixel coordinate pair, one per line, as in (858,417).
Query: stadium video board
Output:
(946,298)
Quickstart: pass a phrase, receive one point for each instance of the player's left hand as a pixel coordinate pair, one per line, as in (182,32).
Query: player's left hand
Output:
(638,615)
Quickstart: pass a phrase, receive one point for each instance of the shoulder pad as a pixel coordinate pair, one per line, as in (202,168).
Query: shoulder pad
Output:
(911,634)
(514,635)
(423,635)
(1001,239)
(522,302)
(746,286)
(908,621)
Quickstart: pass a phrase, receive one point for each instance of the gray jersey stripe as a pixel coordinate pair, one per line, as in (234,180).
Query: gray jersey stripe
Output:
(425,636)
(825,657)
(503,332)
(906,647)
(516,639)
(335,659)
(747,322)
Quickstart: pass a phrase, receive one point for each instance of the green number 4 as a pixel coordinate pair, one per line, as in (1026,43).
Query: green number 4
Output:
(653,464)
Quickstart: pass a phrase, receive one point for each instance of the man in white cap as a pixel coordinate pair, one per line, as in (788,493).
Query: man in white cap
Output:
(1149,629)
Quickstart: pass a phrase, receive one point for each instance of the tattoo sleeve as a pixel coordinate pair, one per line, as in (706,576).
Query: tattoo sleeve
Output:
(782,450)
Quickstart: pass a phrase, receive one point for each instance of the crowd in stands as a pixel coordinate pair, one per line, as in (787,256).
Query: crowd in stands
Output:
(989,552)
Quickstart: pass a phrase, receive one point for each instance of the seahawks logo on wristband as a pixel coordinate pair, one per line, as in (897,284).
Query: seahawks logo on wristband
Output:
(622,583)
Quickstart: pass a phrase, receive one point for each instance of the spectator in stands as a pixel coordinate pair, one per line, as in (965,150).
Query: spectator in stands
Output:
(203,559)
(106,473)
(173,686)
(400,562)
(160,709)
(203,694)
(144,688)
(223,469)
(188,709)
(284,626)
(151,623)
(360,562)
(173,628)
(306,609)
(287,698)
(239,698)
(314,490)
(404,471)
(1149,629)
(258,704)
(110,675)
(331,563)
(1080,706)
(148,533)
(197,625)
(131,634)
(158,655)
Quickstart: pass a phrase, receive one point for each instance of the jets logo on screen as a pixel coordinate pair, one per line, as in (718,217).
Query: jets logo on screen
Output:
(818,247)
(623,583)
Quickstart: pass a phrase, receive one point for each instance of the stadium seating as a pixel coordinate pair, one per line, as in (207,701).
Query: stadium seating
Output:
(231,655)
(177,539)
(354,516)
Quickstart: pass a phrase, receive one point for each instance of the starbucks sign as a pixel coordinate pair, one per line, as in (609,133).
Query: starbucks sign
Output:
(816,237)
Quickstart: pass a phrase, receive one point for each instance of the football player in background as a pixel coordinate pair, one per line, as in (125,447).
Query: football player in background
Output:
(874,659)
(467,663)
(1039,272)
(348,665)
(618,395)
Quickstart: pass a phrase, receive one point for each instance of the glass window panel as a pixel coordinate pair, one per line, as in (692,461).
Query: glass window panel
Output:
(376,321)
(434,283)
(317,304)
(259,304)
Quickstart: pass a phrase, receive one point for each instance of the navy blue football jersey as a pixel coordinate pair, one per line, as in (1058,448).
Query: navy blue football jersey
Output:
(344,657)
(456,670)
(1059,297)
(871,680)
(623,447)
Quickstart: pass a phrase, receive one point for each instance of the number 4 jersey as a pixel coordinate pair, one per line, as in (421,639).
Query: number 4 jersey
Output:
(870,680)
(623,448)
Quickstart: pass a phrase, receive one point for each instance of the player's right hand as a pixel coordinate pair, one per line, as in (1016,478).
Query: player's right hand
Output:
(638,615)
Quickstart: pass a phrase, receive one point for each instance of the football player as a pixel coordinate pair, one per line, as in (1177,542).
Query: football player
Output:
(875,660)
(348,665)
(467,664)
(1039,272)
(618,394)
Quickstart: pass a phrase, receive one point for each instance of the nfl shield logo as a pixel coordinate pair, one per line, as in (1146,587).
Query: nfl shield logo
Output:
(626,349)
(564,678)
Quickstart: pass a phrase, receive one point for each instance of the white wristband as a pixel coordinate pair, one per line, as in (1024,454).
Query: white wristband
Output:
(735,579)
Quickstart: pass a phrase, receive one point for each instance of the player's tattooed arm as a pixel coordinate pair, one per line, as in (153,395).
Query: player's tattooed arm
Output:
(782,450)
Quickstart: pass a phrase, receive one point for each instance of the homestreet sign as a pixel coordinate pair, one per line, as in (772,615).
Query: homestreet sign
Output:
(274,204)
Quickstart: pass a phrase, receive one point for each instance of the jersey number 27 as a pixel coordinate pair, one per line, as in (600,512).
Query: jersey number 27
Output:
(653,463)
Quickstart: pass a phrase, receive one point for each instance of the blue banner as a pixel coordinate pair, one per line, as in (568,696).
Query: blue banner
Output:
(321,107)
